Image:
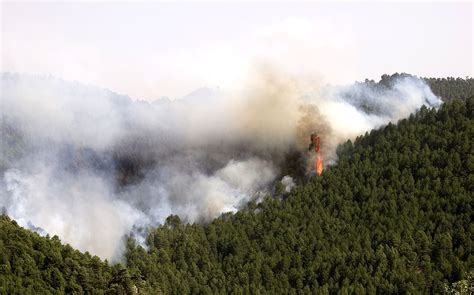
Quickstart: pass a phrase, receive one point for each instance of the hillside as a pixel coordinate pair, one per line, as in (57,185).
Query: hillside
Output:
(452,88)
(446,88)
(31,264)
(393,216)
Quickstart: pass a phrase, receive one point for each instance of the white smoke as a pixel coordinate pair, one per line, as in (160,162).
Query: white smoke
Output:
(93,166)
(354,109)
(80,209)
(288,183)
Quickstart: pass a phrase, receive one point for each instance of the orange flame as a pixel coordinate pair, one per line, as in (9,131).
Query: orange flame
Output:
(319,165)
(315,144)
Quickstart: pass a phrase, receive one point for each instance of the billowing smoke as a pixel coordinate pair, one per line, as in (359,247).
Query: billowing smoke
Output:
(92,166)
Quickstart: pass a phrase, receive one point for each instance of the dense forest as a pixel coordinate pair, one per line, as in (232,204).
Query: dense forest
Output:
(31,264)
(452,88)
(394,215)
(446,88)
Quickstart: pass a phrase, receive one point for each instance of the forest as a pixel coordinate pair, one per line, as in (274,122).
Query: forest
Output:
(394,215)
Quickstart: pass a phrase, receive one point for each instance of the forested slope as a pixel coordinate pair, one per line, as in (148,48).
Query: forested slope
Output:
(31,264)
(393,216)
(452,88)
(446,88)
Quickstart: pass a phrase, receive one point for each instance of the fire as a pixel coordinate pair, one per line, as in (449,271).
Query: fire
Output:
(319,165)
(316,145)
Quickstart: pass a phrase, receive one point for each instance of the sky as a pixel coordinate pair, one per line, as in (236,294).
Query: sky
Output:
(153,49)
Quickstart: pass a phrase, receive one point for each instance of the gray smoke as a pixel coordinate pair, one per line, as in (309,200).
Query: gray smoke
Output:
(92,166)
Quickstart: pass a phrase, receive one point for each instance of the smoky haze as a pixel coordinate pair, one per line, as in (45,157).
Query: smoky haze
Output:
(92,166)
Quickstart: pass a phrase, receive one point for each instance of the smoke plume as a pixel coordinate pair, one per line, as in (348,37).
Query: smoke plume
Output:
(92,166)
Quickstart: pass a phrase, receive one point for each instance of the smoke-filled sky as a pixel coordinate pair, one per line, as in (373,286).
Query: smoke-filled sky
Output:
(148,50)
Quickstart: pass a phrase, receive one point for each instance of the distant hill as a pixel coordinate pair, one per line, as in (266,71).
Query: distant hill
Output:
(203,95)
